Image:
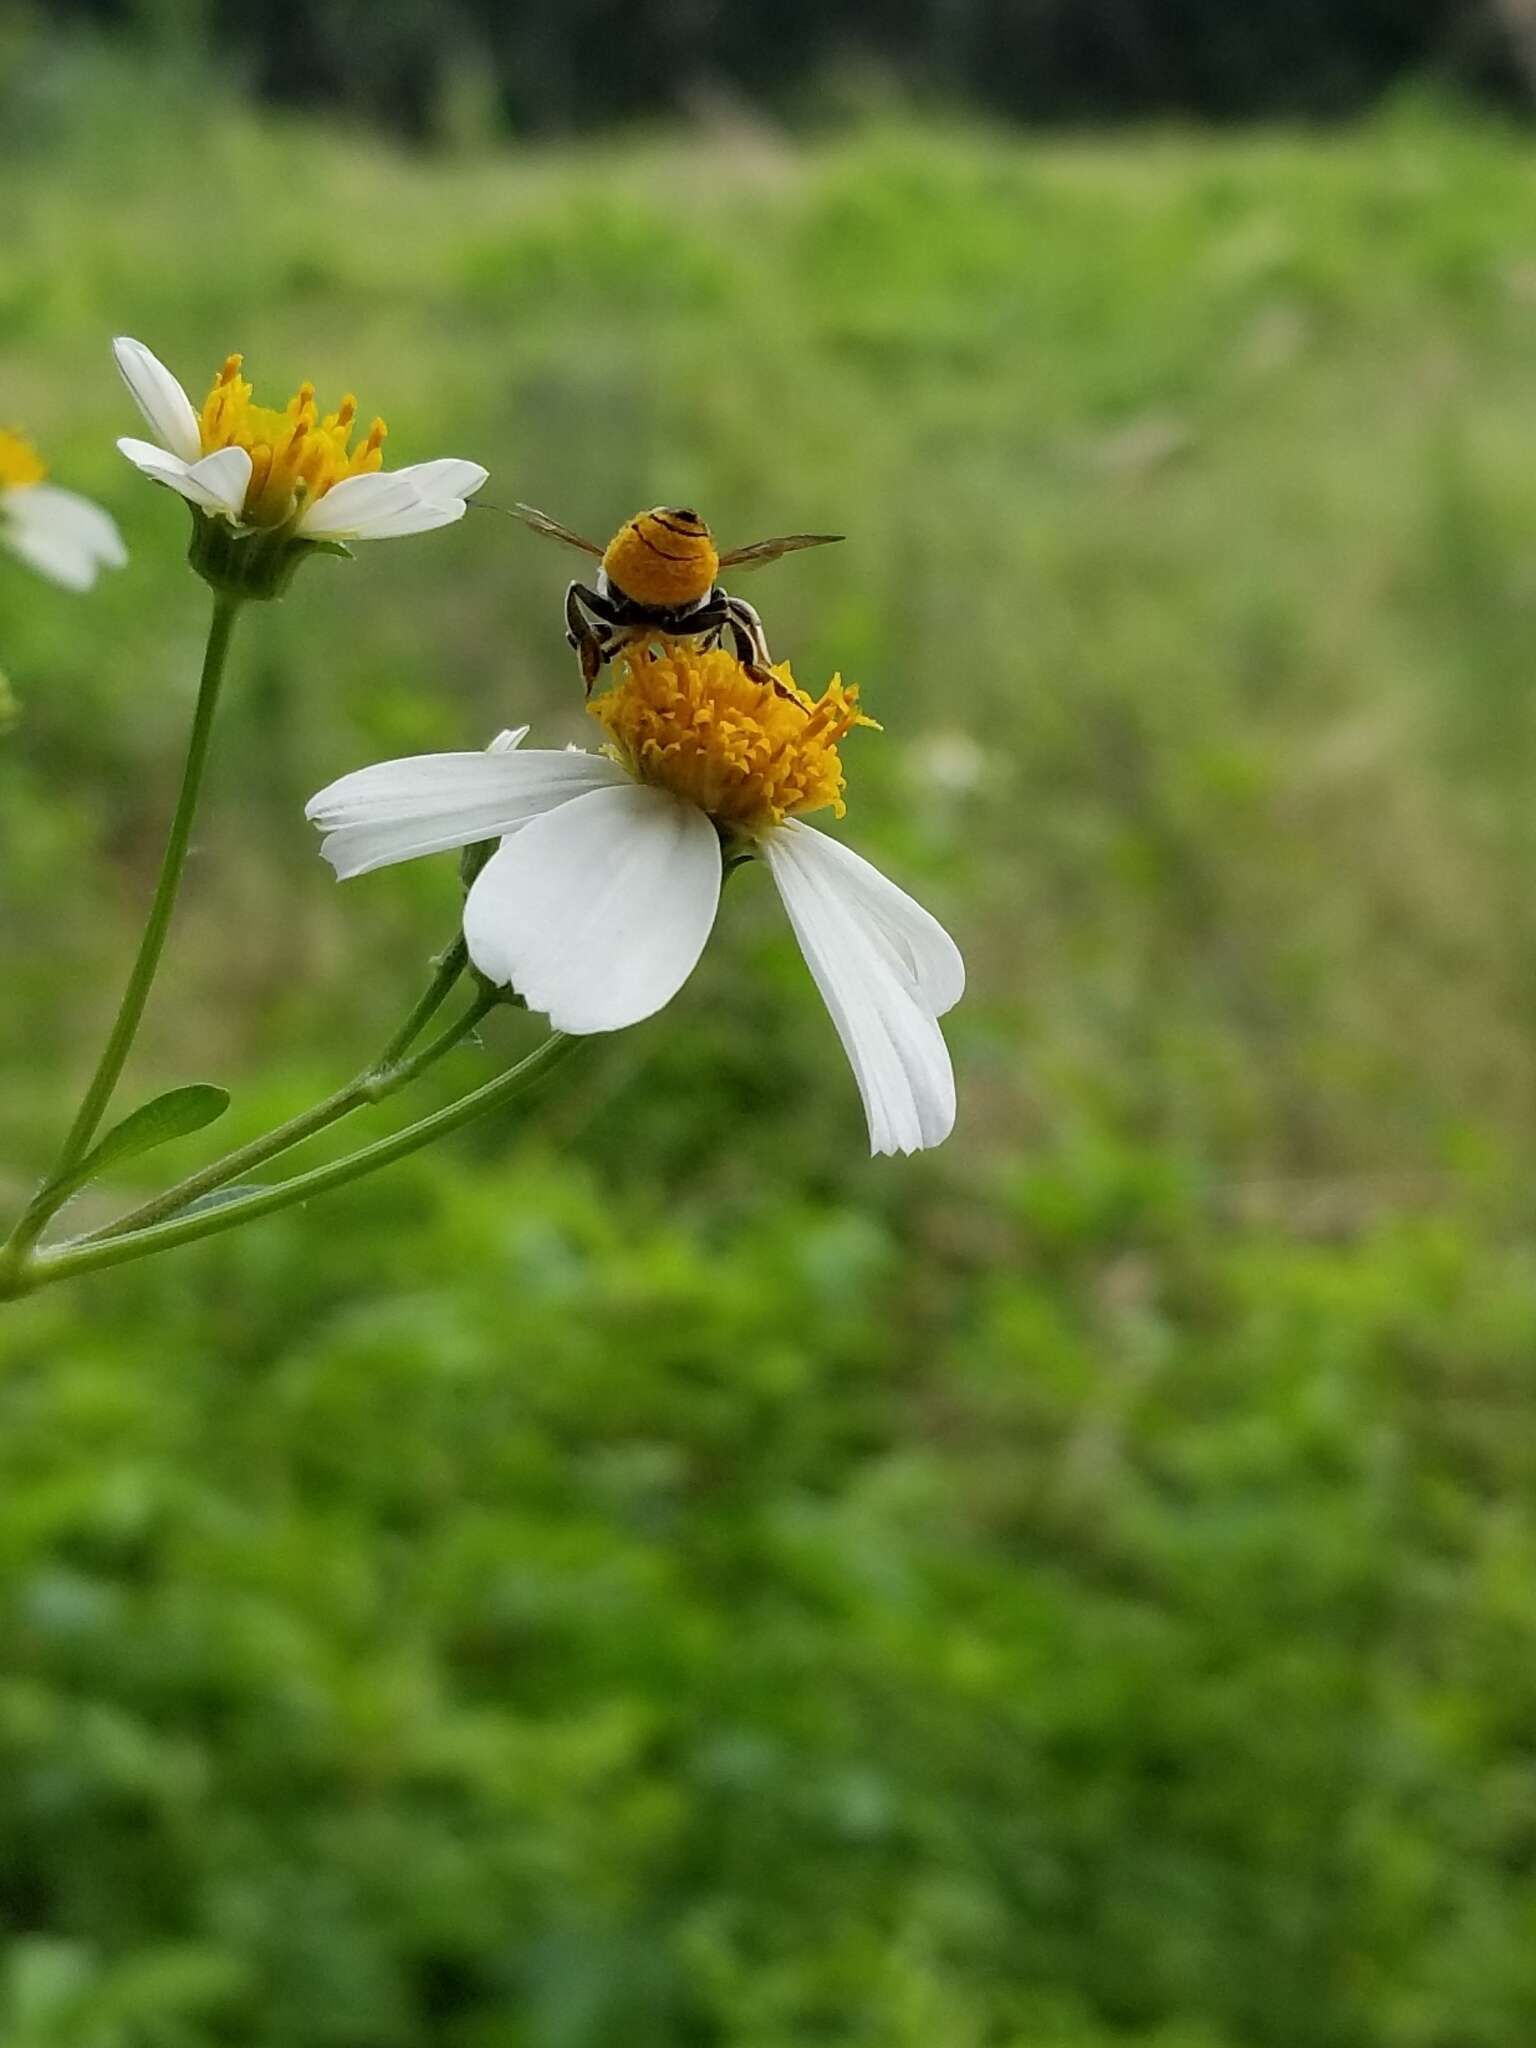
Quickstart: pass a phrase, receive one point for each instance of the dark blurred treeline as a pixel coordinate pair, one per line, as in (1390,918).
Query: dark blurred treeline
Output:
(550,64)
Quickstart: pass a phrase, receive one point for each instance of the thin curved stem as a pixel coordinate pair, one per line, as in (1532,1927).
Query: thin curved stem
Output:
(45,1269)
(141,978)
(389,1073)
(436,993)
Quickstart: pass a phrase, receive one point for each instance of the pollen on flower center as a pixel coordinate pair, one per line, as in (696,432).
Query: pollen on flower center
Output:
(20,464)
(702,726)
(296,455)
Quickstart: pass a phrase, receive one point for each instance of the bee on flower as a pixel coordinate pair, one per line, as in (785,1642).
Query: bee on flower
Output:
(597,903)
(267,485)
(60,534)
(657,576)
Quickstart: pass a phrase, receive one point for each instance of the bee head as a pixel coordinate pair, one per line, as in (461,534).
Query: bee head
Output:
(665,557)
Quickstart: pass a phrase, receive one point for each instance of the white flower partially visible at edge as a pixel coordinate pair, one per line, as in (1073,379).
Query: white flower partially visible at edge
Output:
(599,900)
(381,505)
(60,534)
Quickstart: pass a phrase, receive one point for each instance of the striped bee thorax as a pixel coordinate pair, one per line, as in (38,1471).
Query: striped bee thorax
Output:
(664,557)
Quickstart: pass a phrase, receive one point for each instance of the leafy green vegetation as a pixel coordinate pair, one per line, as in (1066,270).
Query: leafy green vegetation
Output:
(645,1573)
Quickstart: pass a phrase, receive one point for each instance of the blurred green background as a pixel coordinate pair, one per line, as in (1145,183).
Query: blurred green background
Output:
(644,1573)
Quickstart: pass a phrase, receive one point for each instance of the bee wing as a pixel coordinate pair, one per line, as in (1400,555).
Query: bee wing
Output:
(759,551)
(542,523)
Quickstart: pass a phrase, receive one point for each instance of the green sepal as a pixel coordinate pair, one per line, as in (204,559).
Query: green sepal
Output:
(507,998)
(250,562)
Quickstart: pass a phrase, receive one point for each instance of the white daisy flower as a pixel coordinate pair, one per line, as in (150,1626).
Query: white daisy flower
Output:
(598,901)
(294,471)
(60,534)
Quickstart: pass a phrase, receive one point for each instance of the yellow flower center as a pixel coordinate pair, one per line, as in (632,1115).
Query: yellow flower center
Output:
(700,725)
(296,456)
(19,463)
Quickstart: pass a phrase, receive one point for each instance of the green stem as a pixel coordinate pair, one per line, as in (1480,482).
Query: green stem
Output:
(141,979)
(389,1073)
(449,968)
(44,1269)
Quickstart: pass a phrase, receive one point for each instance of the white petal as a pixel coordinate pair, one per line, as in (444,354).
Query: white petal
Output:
(217,483)
(597,913)
(357,503)
(422,515)
(504,742)
(433,802)
(154,461)
(226,477)
(873,967)
(160,398)
(919,943)
(61,534)
(449,477)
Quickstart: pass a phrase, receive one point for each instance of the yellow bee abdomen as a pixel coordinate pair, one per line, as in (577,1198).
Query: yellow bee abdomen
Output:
(664,557)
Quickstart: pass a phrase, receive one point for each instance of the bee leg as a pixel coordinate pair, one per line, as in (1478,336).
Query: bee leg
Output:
(746,629)
(590,643)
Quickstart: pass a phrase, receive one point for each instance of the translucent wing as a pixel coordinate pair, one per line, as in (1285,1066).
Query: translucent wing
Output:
(759,551)
(542,523)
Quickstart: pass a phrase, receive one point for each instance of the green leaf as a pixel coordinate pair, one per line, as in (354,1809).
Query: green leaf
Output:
(176,1114)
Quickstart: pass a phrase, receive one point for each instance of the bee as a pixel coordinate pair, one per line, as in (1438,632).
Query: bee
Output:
(657,576)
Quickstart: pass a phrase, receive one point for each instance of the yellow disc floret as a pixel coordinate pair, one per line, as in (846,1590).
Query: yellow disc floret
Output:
(296,456)
(663,558)
(702,726)
(19,463)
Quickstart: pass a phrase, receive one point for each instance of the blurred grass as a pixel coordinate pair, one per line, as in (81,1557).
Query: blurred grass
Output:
(649,1574)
